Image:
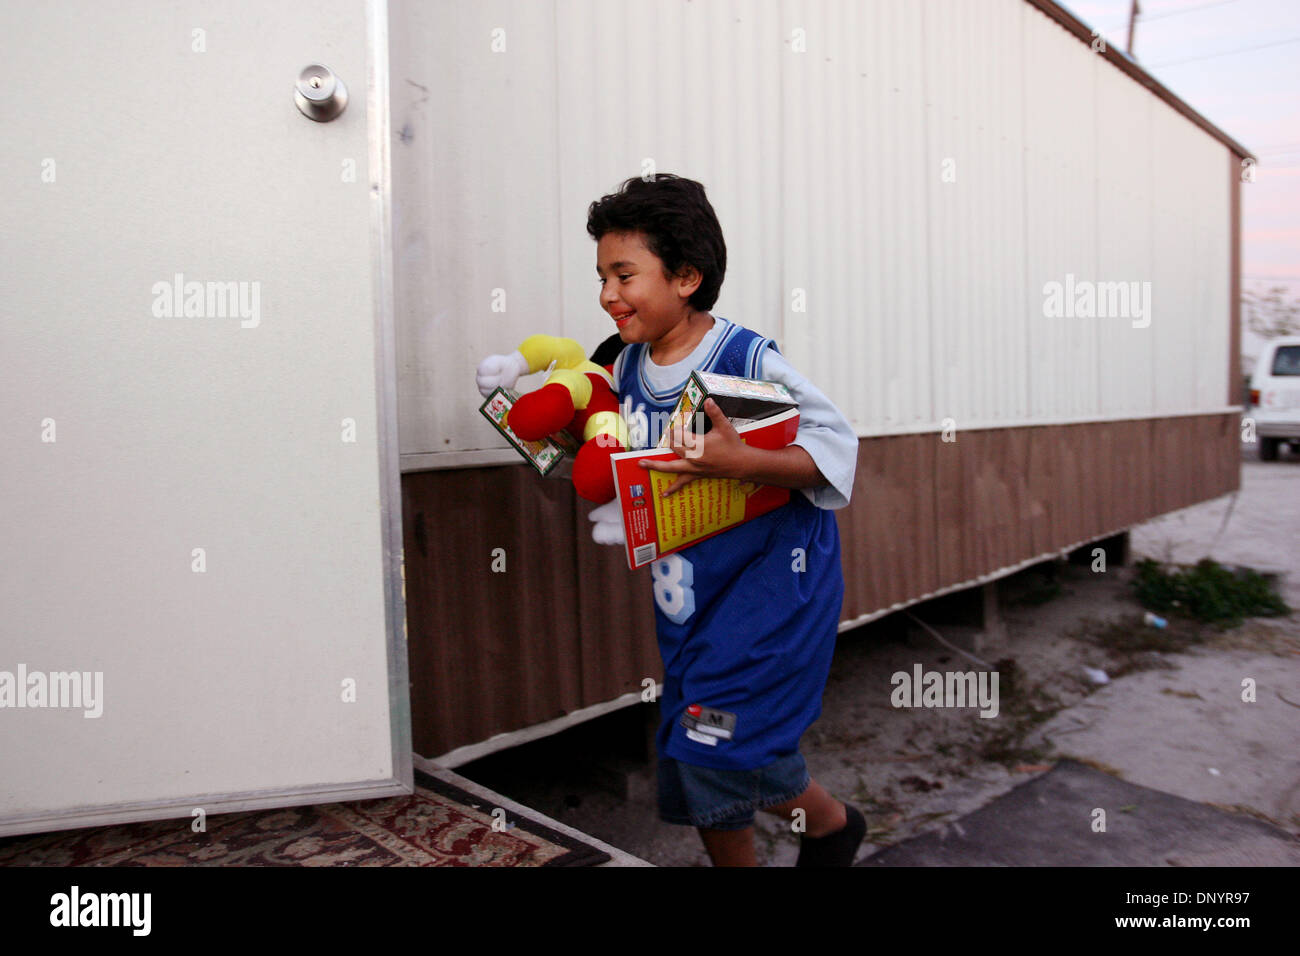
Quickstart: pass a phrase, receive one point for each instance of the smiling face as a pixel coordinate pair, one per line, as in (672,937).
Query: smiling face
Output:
(646,306)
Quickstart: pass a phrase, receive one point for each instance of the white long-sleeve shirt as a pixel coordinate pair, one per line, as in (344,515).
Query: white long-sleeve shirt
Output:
(824,432)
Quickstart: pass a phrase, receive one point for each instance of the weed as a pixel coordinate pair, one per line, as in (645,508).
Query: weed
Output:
(928,817)
(1098,765)
(1022,706)
(1129,635)
(1006,746)
(1209,592)
(1248,811)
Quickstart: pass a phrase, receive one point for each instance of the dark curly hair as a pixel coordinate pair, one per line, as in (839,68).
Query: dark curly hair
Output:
(679,225)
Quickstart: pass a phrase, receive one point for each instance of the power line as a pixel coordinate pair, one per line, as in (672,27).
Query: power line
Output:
(1211,56)
(1181,11)
(1141,18)
(1277,157)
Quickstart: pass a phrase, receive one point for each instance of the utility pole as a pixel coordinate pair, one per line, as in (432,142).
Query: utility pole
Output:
(1133,12)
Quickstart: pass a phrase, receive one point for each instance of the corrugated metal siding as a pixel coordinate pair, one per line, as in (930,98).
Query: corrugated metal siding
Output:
(1123,239)
(1059,212)
(975,265)
(854,186)
(566,626)
(652,82)
(475,205)
(563,625)
(928,516)
(924,298)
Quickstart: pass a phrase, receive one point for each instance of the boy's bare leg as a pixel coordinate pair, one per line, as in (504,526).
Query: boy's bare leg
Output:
(823,814)
(729,847)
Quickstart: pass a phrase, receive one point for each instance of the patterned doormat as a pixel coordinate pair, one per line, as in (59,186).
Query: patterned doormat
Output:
(439,825)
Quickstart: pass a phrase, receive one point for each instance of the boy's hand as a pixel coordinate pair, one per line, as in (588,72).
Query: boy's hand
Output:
(718,454)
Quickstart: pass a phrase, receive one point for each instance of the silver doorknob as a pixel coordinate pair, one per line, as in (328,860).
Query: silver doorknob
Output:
(320,94)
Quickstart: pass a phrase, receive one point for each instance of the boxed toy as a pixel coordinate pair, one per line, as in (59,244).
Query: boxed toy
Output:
(742,400)
(544,455)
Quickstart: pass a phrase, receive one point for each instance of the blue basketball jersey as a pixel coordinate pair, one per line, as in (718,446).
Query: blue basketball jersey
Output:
(746,620)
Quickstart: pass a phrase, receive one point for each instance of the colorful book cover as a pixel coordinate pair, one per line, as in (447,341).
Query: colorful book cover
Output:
(656,526)
(543,455)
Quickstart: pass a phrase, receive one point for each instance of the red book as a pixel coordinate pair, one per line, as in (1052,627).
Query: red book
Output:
(656,526)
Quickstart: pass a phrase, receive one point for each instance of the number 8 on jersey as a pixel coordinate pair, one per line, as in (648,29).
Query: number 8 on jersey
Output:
(673,577)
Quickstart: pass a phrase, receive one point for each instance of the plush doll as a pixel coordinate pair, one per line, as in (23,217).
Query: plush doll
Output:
(577,396)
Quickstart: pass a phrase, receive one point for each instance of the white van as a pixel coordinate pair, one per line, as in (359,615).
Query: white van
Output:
(1275,396)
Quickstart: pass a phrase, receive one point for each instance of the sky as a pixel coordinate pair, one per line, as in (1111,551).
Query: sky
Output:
(1237,63)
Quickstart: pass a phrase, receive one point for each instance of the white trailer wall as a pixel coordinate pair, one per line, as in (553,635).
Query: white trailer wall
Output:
(916,170)
(198,506)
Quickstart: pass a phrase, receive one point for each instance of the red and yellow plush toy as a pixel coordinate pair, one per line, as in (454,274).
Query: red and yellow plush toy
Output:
(578,396)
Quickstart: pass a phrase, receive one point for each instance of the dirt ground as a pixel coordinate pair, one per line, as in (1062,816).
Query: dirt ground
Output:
(1170,715)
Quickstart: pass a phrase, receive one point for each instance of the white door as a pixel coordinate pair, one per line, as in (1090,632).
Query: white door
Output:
(199,507)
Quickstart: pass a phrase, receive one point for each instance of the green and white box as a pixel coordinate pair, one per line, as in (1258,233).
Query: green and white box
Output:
(544,455)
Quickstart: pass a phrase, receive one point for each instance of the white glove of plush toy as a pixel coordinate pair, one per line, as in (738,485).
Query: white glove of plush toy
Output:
(608,526)
(500,370)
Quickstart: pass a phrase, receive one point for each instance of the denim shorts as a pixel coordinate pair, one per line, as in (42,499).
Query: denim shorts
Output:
(726,799)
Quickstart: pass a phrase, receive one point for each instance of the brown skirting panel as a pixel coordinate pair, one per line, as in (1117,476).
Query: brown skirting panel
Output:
(565,625)
(928,514)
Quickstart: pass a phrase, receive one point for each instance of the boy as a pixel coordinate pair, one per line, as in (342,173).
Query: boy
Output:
(746,620)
